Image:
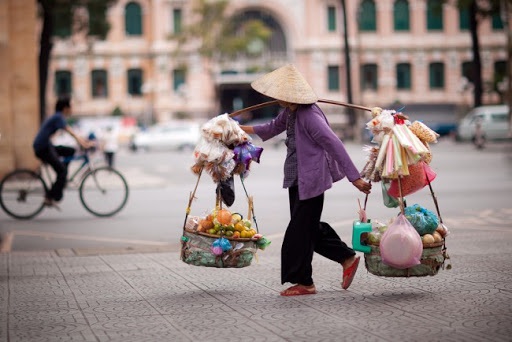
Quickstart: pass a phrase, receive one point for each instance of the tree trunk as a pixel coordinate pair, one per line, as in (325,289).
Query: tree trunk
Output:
(506,16)
(477,63)
(44,53)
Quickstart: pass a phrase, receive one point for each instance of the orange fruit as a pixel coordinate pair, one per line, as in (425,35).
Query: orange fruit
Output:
(224,217)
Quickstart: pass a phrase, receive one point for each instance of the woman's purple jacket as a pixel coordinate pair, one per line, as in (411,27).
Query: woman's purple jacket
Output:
(321,156)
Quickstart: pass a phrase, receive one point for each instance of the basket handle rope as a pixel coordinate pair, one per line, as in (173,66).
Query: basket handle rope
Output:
(218,201)
(251,205)
(191,198)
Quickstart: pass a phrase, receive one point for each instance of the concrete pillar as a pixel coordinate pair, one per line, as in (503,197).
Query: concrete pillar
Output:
(19,104)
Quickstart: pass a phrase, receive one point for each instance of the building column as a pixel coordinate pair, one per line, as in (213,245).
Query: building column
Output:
(19,104)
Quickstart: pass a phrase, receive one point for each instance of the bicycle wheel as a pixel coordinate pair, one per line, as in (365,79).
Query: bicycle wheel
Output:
(103,191)
(22,194)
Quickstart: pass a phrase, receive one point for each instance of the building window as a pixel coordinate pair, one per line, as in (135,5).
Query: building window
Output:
(436,75)
(99,83)
(62,21)
(367,16)
(500,72)
(434,15)
(464,18)
(133,19)
(135,82)
(63,83)
(369,77)
(403,76)
(333,77)
(176,20)
(401,15)
(331,18)
(178,78)
(497,23)
(467,71)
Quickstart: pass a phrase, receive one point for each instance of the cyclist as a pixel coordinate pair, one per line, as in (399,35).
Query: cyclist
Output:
(50,154)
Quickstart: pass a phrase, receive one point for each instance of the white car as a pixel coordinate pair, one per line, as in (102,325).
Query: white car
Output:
(494,122)
(167,136)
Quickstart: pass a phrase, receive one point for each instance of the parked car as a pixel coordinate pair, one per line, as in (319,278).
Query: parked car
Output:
(167,136)
(494,123)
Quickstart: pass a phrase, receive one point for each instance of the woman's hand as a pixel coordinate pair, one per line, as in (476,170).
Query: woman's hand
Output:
(362,185)
(247,129)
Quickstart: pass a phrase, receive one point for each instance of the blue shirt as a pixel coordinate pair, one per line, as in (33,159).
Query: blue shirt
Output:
(48,128)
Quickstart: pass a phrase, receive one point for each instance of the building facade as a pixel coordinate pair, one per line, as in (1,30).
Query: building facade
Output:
(407,52)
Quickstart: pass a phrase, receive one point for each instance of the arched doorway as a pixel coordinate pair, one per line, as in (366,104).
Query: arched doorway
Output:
(233,83)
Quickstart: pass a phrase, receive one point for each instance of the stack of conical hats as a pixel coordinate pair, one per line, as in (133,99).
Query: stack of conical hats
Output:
(286,84)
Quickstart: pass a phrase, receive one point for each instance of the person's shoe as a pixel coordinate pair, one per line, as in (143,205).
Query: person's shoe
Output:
(50,203)
(349,273)
(298,290)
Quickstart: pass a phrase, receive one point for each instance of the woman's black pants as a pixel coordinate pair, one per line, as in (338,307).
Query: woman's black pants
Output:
(306,234)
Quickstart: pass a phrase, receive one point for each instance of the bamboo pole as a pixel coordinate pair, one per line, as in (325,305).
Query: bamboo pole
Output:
(273,102)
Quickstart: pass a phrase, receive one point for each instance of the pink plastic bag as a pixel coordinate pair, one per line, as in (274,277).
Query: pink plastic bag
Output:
(417,180)
(400,245)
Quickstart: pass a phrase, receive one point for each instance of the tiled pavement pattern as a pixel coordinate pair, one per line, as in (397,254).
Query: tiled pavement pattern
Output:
(156,297)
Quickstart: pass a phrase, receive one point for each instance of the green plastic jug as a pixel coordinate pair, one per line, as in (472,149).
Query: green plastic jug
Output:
(359,228)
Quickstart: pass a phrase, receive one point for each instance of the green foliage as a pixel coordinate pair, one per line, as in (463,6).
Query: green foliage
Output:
(219,36)
(117,112)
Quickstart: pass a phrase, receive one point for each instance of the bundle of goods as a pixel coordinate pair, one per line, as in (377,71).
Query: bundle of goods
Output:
(401,151)
(412,244)
(224,149)
(222,238)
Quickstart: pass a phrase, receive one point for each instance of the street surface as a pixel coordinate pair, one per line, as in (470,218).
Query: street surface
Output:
(473,189)
(68,276)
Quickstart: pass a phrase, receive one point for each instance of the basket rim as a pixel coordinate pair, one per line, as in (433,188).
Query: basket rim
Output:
(425,245)
(219,236)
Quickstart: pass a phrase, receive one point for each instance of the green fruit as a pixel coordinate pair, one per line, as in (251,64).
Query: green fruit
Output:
(212,231)
(247,223)
(373,238)
(236,217)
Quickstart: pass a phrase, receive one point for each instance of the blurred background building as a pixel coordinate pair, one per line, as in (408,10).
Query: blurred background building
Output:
(412,53)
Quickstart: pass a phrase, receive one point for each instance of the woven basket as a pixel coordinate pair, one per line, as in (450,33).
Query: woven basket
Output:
(432,259)
(195,250)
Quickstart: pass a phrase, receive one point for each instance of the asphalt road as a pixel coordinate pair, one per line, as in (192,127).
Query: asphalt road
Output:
(473,188)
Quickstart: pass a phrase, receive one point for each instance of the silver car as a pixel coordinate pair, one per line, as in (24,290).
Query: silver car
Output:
(167,136)
(493,121)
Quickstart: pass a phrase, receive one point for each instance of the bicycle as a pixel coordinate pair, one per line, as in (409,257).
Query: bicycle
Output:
(103,190)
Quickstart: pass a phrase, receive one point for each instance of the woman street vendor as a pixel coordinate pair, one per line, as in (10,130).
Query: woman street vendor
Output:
(315,159)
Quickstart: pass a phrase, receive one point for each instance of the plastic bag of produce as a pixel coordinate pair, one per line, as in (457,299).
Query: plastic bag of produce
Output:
(400,245)
(423,220)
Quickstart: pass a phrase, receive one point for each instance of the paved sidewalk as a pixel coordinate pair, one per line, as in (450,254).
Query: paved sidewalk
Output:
(157,297)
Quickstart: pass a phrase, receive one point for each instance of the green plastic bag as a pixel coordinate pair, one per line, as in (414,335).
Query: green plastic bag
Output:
(389,201)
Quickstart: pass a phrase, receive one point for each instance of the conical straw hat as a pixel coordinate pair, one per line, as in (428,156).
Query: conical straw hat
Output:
(286,84)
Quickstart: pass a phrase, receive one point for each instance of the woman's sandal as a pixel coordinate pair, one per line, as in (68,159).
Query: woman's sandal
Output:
(349,273)
(298,290)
